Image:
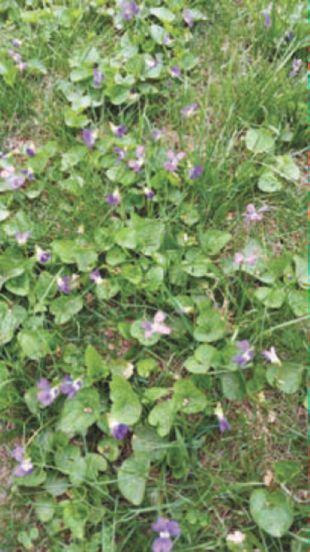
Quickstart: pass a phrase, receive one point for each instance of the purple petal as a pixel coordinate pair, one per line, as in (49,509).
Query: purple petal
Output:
(98,77)
(224,425)
(173,528)
(89,137)
(162,544)
(160,525)
(18,453)
(120,431)
(195,172)
(129,10)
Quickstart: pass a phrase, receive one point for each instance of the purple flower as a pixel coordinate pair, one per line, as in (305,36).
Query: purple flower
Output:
(64,284)
(195,172)
(289,36)
(113,199)
(30,150)
(175,72)
(296,66)
(121,153)
(98,77)
(246,353)
(25,466)
(22,66)
(166,529)
(189,110)
(119,131)
(252,215)
(224,424)
(267,18)
(149,194)
(173,160)
(16,181)
(119,431)
(167,39)
(271,356)
(89,137)
(137,164)
(46,394)
(70,387)
(188,17)
(157,134)
(129,10)
(157,326)
(28,174)
(22,237)
(42,256)
(16,43)
(240,259)
(95,277)
(15,56)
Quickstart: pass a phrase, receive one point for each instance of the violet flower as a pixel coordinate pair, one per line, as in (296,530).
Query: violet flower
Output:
(89,137)
(173,160)
(16,43)
(25,466)
(129,10)
(64,284)
(246,353)
(16,181)
(137,164)
(28,173)
(175,72)
(157,134)
(98,77)
(149,194)
(119,131)
(195,172)
(46,394)
(253,215)
(119,431)
(224,424)
(30,150)
(189,110)
(188,17)
(22,237)
(267,18)
(296,66)
(157,326)
(95,277)
(289,36)
(42,255)
(114,198)
(121,153)
(249,260)
(166,530)
(271,356)
(70,387)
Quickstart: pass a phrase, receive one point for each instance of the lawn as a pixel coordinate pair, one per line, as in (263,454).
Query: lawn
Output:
(152,276)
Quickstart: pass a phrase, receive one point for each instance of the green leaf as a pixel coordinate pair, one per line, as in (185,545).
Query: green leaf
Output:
(65,308)
(44,508)
(259,140)
(127,238)
(146,441)
(74,120)
(55,485)
(188,398)
(34,343)
(75,517)
(273,298)
(11,266)
(204,357)
(132,477)
(126,407)
(297,300)
(211,327)
(146,366)
(286,165)
(95,463)
(162,416)
(10,319)
(32,480)
(158,34)
(286,377)
(96,367)
(301,269)
(271,511)
(213,241)
(163,14)
(233,386)
(268,182)
(286,470)
(79,413)
(137,332)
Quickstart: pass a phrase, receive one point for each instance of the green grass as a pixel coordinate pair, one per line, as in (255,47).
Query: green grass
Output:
(240,81)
